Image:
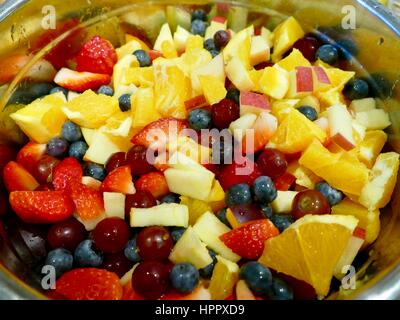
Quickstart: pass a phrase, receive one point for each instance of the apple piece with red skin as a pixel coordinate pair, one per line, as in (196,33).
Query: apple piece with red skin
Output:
(320,78)
(196,102)
(301,82)
(340,127)
(243,213)
(255,103)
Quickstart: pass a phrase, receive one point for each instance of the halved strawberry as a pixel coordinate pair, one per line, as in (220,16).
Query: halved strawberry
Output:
(67,173)
(153,182)
(119,180)
(97,55)
(80,81)
(88,202)
(245,172)
(248,240)
(89,284)
(41,206)
(285,181)
(17,178)
(29,156)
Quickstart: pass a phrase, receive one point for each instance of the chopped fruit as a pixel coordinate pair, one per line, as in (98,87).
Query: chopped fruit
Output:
(131,46)
(259,50)
(119,180)
(196,208)
(321,79)
(283,202)
(224,112)
(143,108)
(66,174)
(303,176)
(362,105)
(311,101)
(293,60)
(238,49)
(119,124)
(341,129)
(214,68)
(120,71)
(376,119)
(153,182)
(330,98)
(89,284)
(240,214)
(371,146)
(80,81)
(217,24)
(224,278)
(239,75)
(168,50)
(139,76)
(114,204)
(196,102)
(309,202)
(194,43)
(284,182)
(181,37)
(239,127)
(310,249)
(165,35)
(281,108)
(29,156)
(339,77)
(213,89)
(274,82)
(166,214)
(243,292)
(17,178)
(41,206)
(235,173)
(301,82)
(382,180)
(253,103)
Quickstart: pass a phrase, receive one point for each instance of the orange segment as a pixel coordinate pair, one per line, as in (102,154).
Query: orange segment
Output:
(369,149)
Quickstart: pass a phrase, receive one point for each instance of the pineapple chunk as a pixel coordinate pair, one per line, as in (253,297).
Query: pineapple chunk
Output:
(165,35)
(275,82)
(194,42)
(143,108)
(166,214)
(129,48)
(361,105)
(371,146)
(239,47)
(101,148)
(114,204)
(224,278)
(196,208)
(140,77)
(213,89)
(376,119)
(283,202)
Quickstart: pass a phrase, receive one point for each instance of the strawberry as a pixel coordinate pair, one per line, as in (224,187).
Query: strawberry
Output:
(285,181)
(80,81)
(17,178)
(119,180)
(153,182)
(245,172)
(10,66)
(97,55)
(29,156)
(89,284)
(159,132)
(88,202)
(153,54)
(41,206)
(67,173)
(248,240)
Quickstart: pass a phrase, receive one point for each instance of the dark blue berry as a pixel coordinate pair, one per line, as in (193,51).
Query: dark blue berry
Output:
(280,290)
(221,215)
(171,198)
(106,90)
(28,92)
(214,53)
(71,132)
(176,233)
(238,194)
(57,147)
(198,27)
(143,58)
(266,209)
(184,277)
(125,102)
(331,194)
(200,119)
(309,112)
(257,277)
(87,255)
(328,54)
(264,189)
(209,45)
(207,271)
(199,14)
(234,95)
(356,89)
(95,171)
(131,251)
(61,259)
(282,222)
(59,89)
(78,150)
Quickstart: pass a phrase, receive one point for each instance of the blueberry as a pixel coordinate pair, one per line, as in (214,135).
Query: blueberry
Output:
(221,215)
(59,89)
(125,102)
(266,209)
(28,92)
(331,194)
(198,27)
(143,58)
(207,271)
(282,222)
(234,95)
(40,89)
(61,259)
(131,251)
(57,147)
(209,45)
(328,54)
(257,277)
(238,194)
(199,14)
(176,233)
(184,277)
(264,189)
(171,198)
(221,38)
(71,132)
(78,150)
(309,112)
(356,89)
(95,171)
(200,119)
(214,53)
(280,290)
(87,255)
(107,90)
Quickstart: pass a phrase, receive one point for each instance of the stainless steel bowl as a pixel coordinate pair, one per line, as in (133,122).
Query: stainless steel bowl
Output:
(377,35)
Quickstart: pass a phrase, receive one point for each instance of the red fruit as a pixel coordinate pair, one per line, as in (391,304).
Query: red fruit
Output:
(196,102)
(67,173)
(29,156)
(116,160)
(117,263)
(111,235)
(97,55)
(309,202)
(154,243)
(153,54)
(272,163)
(80,81)
(308,46)
(66,234)
(235,173)
(248,240)
(41,206)
(89,284)
(263,65)
(45,167)
(285,181)
(136,159)
(17,178)
(45,187)
(263,129)
(141,199)
(224,112)
(130,294)
(153,182)
(301,289)
(119,180)
(88,202)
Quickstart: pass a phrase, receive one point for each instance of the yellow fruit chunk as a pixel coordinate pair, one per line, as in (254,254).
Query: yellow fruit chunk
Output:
(88,135)
(293,60)
(196,208)
(238,74)
(168,50)
(255,76)
(190,148)
(129,61)
(274,82)
(281,108)
(339,77)
(310,248)
(371,146)
(296,133)
(119,124)
(330,98)
(224,278)
(345,173)
(140,77)
(91,110)
(382,180)
(304,176)
(286,34)
(42,119)
(143,108)
(194,42)
(367,219)
(216,199)
(129,37)
(213,89)
(194,59)
(130,47)
(239,46)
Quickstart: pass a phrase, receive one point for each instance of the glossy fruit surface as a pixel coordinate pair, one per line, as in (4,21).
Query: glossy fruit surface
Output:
(115,161)
(308,46)
(117,263)
(184,277)
(224,112)
(309,202)
(66,234)
(45,168)
(257,277)
(154,243)
(272,163)
(136,158)
(141,199)
(111,235)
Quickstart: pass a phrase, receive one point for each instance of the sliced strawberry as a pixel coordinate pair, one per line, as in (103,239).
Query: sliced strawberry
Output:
(119,180)
(17,178)
(153,54)
(245,172)
(41,206)
(10,66)
(153,182)
(88,202)
(80,81)
(67,173)
(29,156)
(97,55)
(248,240)
(285,181)
(89,284)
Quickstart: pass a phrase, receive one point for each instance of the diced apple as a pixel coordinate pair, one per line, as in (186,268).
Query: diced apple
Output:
(259,50)
(114,204)
(164,35)
(166,214)
(283,202)
(239,47)
(213,68)
(239,214)
(209,228)
(239,75)
(268,36)
(359,131)
(340,126)
(88,135)
(213,88)
(217,24)
(301,82)
(238,127)
(224,279)
(361,105)
(293,60)
(275,82)
(311,101)
(255,103)
(321,79)
(376,119)
(91,182)
(101,148)
(181,37)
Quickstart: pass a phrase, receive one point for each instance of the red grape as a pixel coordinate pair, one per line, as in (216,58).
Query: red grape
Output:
(66,234)
(141,199)
(234,173)
(111,235)
(308,46)
(272,163)
(118,263)
(154,243)
(309,202)
(116,160)
(45,168)
(224,112)
(136,158)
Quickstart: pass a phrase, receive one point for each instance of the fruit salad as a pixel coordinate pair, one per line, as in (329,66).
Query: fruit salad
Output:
(211,163)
